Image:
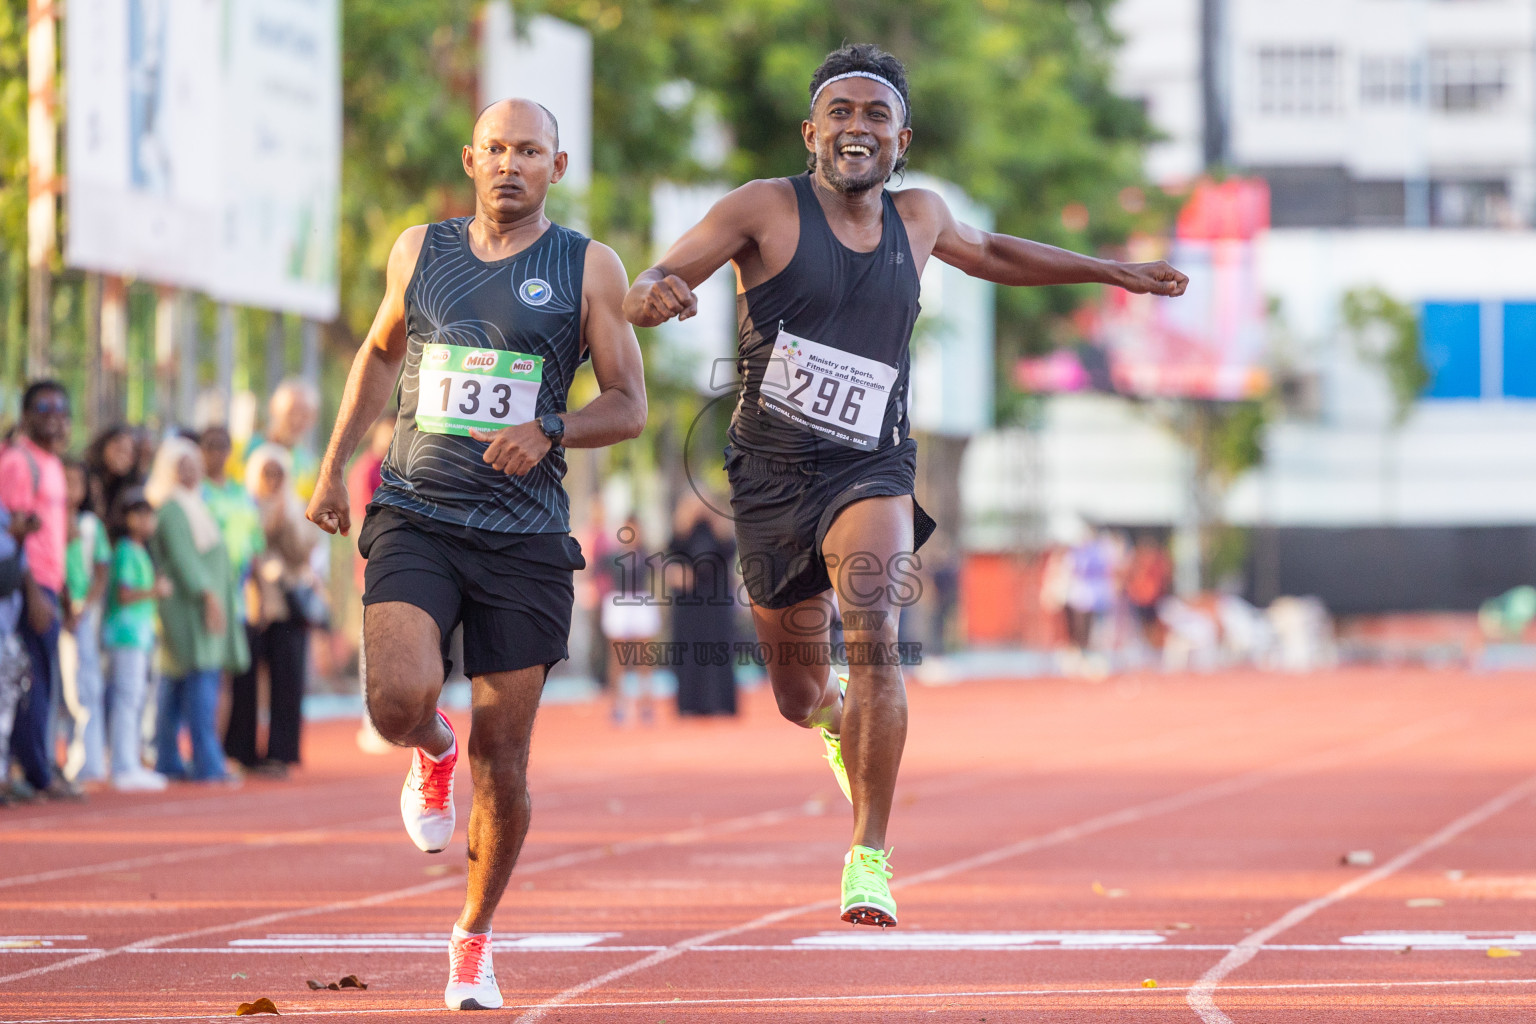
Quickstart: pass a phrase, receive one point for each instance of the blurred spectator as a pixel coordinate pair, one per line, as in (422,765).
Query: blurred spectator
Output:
(201,638)
(631,621)
(1147,581)
(291,414)
(364,478)
(128,636)
(287,599)
(1091,589)
(14,666)
(87,564)
(232,508)
(32,486)
(111,463)
(703,608)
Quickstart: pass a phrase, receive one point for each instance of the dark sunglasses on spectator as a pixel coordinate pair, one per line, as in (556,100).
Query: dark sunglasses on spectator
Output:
(50,405)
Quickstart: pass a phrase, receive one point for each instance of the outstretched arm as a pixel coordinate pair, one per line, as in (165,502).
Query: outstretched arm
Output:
(372,377)
(666,290)
(618,412)
(1005,259)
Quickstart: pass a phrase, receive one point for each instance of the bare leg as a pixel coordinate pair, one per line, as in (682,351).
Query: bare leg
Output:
(799,670)
(499,738)
(403,676)
(864,541)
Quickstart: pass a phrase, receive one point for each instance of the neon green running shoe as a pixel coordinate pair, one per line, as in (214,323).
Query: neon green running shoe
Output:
(866,888)
(834,746)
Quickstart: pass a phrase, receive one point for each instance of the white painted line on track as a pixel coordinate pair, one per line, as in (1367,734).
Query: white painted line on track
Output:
(1137,991)
(1129,815)
(151,860)
(1442,940)
(747,822)
(1202,994)
(973,940)
(1213,947)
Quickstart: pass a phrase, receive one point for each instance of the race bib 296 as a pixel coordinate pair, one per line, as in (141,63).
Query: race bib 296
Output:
(832,393)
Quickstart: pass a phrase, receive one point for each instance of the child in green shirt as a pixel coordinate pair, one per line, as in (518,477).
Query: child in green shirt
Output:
(128,634)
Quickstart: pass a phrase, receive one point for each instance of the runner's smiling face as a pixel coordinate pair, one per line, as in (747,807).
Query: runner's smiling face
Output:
(513,160)
(856,133)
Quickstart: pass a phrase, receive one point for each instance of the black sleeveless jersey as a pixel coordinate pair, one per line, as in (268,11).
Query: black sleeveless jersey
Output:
(823,346)
(528,303)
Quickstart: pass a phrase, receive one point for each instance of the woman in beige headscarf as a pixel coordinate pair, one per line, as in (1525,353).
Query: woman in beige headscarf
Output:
(200,642)
(285,599)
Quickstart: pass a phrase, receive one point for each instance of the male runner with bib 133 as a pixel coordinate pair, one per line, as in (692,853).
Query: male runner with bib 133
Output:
(490,316)
(820,463)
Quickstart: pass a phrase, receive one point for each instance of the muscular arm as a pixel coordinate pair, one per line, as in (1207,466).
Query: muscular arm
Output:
(369,383)
(666,290)
(1004,259)
(618,412)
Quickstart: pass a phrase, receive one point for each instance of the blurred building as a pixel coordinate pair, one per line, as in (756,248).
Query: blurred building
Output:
(1398,139)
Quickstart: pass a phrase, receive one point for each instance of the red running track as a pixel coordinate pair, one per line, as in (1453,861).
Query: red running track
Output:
(1056,844)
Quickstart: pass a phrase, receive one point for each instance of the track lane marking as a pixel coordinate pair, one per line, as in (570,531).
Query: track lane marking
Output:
(575,857)
(1129,815)
(1201,996)
(1138,991)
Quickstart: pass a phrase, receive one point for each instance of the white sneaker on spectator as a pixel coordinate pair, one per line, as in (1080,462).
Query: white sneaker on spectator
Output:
(139,780)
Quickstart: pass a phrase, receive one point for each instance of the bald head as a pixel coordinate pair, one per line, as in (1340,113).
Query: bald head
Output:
(517,106)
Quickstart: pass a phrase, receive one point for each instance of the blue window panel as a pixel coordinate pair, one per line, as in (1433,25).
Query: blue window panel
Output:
(1452,349)
(1520,350)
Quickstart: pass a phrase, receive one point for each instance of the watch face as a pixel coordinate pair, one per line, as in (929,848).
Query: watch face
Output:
(552,425)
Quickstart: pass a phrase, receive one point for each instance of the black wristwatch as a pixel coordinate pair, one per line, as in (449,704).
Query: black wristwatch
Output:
(553,427)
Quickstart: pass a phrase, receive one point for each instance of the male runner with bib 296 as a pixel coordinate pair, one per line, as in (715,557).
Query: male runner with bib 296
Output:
(820,463)
(489,316)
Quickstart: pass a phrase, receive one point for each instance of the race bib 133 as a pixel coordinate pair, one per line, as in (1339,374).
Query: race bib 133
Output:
(460,387)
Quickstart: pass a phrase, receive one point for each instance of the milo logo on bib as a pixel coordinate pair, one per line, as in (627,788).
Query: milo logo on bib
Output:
(460,388)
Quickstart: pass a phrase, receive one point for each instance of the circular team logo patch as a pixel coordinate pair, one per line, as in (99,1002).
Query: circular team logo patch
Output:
(535,291)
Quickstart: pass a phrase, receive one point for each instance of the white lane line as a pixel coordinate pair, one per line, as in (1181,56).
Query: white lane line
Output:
(150,860)
(1441,940)
(1202,994)
(974,940)
(435,1010)
(751,821)
(1069,833)
(1214,947)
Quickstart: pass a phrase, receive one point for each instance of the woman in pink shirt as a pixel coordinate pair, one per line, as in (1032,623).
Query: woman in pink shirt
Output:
(32,484)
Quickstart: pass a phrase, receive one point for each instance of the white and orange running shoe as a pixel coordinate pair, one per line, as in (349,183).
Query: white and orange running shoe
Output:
(426,799)
(471,979)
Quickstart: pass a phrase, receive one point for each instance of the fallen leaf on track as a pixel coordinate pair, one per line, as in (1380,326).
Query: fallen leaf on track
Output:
(262,1005)
(350,981)
(1358,859)
(1498,952)
(1426,901)
(1149,983)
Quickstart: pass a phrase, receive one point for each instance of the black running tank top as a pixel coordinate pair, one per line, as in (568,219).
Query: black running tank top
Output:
(823,346)
(458,308)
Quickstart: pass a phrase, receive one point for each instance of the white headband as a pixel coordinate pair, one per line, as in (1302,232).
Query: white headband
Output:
(861,74)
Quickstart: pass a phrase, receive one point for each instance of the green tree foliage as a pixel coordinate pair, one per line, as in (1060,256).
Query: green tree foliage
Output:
(1010,100)
(408,102)
(13,184)
(1387,335)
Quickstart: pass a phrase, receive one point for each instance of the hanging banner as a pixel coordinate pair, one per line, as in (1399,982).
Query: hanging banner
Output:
(204,146)
(1210,342)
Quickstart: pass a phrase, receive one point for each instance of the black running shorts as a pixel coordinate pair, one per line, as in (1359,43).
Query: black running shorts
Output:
(512,592)
(783,509)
